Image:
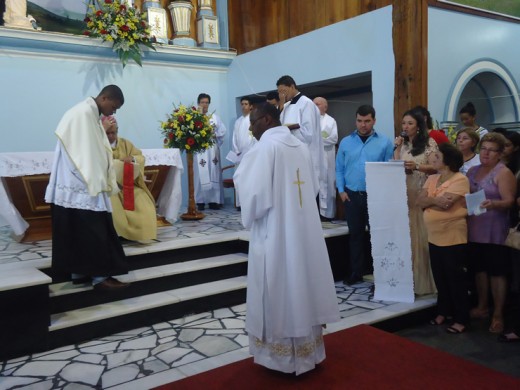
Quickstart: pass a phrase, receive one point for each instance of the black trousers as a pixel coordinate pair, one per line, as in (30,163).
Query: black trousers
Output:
(450,278)
(356,211)
(85,242)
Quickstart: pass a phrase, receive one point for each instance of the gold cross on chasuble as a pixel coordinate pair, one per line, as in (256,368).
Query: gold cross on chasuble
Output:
(298,182)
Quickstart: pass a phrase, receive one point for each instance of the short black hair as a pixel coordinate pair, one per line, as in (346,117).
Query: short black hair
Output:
(246,98)
(365,110)
(113,92)
(203,96)
(265,108)
(273,95)
(451,156)
(287,81)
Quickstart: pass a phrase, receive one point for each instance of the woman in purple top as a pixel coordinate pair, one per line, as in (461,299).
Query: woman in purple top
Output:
(487,232)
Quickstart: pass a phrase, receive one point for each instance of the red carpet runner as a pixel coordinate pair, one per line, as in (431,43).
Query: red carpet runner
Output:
(360,358)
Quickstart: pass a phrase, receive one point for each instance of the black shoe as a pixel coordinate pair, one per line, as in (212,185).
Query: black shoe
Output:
(83,280)
(325,219)
(201,206)
(239,208)
(352,280)
(110,284)
(214,206)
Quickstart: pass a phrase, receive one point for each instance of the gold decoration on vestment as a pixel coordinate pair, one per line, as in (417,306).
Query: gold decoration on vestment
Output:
(298,182)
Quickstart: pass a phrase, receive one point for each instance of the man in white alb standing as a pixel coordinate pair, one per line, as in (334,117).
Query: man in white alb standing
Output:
(302,117)
(243,139)
(207,169)
(290,288)
(329,133)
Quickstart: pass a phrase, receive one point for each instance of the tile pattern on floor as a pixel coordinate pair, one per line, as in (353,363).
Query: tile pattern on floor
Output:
(216,222)
(129,356)
(151,356)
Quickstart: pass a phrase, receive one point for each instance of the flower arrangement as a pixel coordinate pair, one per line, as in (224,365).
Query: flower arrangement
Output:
(452,133)
(187,129)
(125,26)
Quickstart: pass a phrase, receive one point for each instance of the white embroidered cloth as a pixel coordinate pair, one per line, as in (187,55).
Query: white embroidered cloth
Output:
(390,231)
(35,163)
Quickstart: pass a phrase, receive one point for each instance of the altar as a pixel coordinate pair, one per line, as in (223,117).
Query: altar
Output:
(25,175)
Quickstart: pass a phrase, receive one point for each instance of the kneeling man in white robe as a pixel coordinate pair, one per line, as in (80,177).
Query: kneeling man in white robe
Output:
(290,289)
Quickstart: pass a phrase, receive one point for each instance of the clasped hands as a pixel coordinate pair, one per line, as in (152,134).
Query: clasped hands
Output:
(444,201)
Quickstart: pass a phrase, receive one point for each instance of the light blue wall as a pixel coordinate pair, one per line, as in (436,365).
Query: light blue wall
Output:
(353,46)
(37,89)
(455,42)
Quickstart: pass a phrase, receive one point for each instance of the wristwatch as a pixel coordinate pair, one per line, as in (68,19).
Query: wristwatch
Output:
(416,167)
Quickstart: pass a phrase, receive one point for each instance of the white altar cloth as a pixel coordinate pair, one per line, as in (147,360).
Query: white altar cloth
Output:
(35,163)
(390,231)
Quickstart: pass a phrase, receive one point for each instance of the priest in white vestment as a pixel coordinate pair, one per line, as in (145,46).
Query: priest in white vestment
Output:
(243,139)
(84,242)
(299,112)
(329,133)
(207,168)
(290,288)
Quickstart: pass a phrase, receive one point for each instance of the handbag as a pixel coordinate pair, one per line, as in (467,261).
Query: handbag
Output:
(513,238)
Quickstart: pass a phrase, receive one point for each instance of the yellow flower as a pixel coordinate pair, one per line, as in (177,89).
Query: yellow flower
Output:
(187,147)
(203,133)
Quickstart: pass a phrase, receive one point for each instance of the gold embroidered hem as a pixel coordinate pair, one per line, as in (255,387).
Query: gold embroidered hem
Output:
(290,355)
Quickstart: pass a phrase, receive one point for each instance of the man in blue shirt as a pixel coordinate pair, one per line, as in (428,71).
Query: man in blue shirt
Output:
(363,145)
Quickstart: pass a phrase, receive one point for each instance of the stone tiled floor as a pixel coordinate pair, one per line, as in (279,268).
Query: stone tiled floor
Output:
(164,352)
(175,347)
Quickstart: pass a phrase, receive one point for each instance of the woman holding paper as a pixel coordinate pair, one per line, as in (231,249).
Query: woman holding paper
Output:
(415,147)
(487,231)
(442,199)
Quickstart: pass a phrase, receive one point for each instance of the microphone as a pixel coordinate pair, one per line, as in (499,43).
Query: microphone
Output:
(403,134)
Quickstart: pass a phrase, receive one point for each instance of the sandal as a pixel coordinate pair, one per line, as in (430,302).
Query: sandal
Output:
(452,330)
(497,326)
(510,337)
(478,313)
(435,321)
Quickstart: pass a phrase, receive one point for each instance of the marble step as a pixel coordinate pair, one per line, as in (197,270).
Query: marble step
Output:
(66,288)
(123,307)
(17,278)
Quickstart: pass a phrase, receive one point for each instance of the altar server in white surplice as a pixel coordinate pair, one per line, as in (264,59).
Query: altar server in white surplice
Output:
(243,139)
(329,133)
(207,170)
(290,288)
(84,241)
(303,118)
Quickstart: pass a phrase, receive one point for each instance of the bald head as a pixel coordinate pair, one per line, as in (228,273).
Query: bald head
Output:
(322,104)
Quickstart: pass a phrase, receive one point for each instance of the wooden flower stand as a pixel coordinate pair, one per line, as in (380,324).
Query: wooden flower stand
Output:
(192,214)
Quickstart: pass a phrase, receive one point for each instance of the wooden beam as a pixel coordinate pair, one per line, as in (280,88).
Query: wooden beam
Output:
(410,40)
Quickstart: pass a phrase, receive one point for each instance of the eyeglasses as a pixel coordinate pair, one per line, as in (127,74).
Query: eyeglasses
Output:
(253,121)
(488,150)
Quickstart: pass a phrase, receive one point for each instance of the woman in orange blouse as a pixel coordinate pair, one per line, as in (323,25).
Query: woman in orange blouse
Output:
(442,199)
